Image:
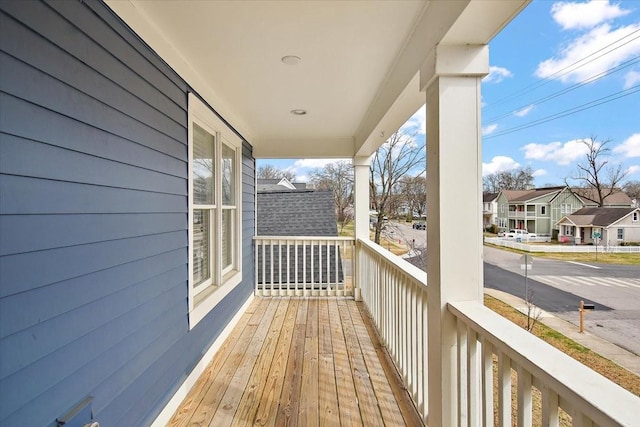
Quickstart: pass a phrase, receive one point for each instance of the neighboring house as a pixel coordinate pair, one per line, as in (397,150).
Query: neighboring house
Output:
(296,213)
(489,209)
(538,210)
(605,226)
(532,210)
(617,199)
(279,185)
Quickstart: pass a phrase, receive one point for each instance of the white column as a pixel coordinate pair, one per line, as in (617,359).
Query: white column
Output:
(361,214)
(454,217)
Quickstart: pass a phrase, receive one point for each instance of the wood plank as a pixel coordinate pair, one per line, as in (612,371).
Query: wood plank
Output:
(308,408)
(327,392)
(290,397)
(389,408)
(197,393)
(232,397)
(218,386)
(347,403)
(269,401)
(369,409)
(248,406)
(403,399)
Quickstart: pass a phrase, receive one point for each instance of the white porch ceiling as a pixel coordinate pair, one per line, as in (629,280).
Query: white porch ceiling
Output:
(359,72)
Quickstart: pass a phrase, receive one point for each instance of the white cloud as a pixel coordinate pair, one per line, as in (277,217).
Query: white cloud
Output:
(631,79)
(523,112)
(562,154)
(630,147)
(603,48)
(499,164)
(539,172)
(417,122)
(497,74)
(489,129)
(633,169)
(585,15)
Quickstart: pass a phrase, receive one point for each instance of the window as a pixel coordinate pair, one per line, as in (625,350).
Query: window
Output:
(620,233)
(543,210)
(566,208)
(635,216)
(214,217)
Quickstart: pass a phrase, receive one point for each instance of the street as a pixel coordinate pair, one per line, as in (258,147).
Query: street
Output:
(557,287)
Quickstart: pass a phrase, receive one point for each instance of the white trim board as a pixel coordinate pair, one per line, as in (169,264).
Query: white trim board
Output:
(174,403)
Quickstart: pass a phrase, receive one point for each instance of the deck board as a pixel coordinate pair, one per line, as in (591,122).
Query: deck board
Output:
(299,362)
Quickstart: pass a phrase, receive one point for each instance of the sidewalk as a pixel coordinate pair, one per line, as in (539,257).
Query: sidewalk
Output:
(604,348)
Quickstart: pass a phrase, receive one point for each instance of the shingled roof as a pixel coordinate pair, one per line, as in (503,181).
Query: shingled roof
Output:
(599,217)
(526,195)
(617,198)
(296,213)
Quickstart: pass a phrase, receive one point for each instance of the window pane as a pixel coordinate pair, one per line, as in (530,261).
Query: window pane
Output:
(227,237)
(201,247)
(228,175)
(203,180)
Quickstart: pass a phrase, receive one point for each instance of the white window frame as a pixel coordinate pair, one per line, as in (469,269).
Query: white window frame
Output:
(620,231)
(203,300)
(634,216)
(543,210)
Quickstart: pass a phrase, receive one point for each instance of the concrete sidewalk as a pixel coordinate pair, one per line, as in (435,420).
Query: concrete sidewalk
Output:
(604,348)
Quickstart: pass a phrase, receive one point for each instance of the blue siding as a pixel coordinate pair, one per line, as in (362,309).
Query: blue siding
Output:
(93,220)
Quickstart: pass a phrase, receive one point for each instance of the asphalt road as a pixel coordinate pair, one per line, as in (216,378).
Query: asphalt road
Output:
(558,287)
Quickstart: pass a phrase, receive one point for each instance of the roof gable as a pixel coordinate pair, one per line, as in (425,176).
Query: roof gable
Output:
(600,217)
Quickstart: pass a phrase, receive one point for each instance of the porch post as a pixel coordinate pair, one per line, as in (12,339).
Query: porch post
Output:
(361,214)
(454,217)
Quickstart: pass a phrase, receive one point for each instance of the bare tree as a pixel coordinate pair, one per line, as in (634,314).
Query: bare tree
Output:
(272,172)
(398,156)
(516,179)
(338,178)
(413,192)
(632,188)
(594,173)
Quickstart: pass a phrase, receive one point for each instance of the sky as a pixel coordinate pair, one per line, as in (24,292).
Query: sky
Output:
(560,72)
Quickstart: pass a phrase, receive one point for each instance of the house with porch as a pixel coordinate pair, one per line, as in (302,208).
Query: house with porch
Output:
(128,137)
(534,209)
(489,209)
(604,226)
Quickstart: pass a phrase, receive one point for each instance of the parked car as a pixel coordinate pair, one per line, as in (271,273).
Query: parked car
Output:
(419,226)
(519,234)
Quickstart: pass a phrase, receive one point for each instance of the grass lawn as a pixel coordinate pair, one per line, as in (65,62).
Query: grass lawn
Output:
(602,365)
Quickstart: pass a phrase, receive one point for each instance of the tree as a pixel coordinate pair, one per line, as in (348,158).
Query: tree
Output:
(338,178)
(413,192)
(398,156)
(632,188)
(594,173)
(271,172)
(516,179)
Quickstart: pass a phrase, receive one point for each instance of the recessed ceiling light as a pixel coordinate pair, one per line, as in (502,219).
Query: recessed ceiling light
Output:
(298,112)
(291,59)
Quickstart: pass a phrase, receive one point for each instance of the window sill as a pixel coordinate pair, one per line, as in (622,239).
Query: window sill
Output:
(205,301)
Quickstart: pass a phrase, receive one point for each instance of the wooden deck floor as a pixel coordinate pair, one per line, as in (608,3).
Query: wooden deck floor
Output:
(299,362)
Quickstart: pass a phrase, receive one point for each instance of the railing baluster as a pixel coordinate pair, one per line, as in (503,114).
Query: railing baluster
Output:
(288,287)
(524,397)
(461,368)
(272,262)
(487,383)
(473,378)
(504,389)
(549,407)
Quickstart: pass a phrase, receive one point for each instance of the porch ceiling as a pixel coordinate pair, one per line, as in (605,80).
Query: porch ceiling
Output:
(359,73)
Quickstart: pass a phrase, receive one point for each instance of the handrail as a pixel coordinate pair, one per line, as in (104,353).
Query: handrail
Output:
(564,382)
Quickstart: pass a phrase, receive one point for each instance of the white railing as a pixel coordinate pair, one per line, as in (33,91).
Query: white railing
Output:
(511,243)
(303,266)
(491,352)
(395,293)
(546,381)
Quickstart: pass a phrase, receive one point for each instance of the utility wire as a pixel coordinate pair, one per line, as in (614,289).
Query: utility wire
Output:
(569,68)
(573,87)
(570,111)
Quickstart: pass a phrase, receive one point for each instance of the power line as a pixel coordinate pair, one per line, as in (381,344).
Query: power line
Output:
(573,87)
(570,111)
(565,70)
